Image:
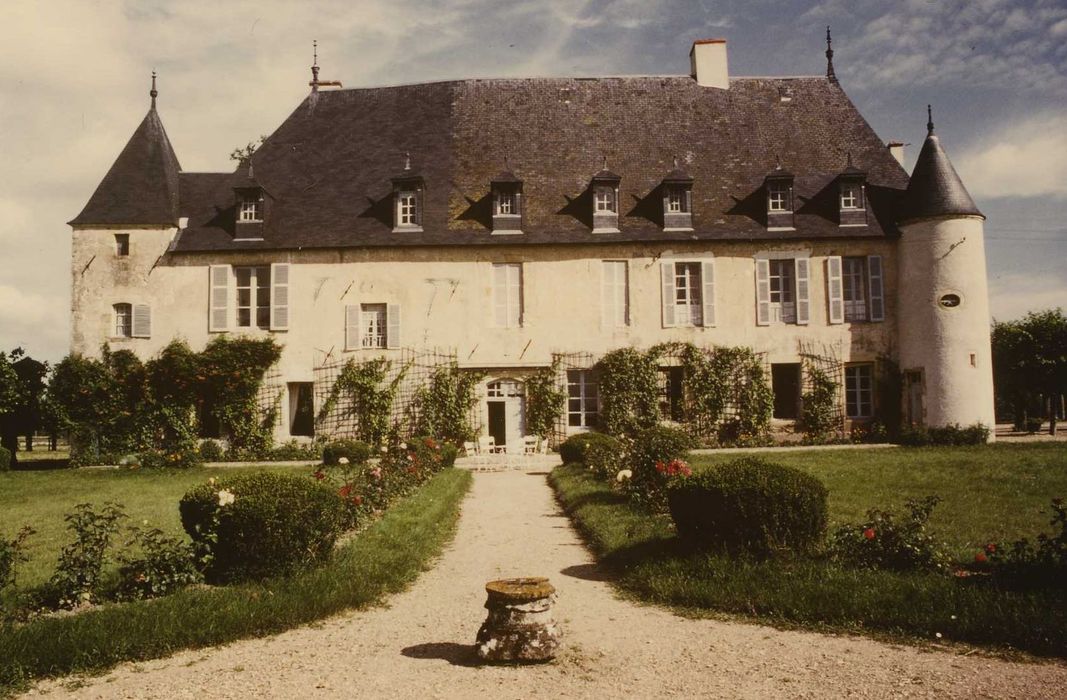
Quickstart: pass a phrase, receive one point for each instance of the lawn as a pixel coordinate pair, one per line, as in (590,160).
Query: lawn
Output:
(41,499)
(383,558)
(998,492)
(988,492)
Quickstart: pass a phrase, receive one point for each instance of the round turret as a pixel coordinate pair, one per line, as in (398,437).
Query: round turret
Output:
(943,298)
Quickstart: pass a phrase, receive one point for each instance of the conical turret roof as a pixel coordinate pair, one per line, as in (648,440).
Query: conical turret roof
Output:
(935,189)
(142,185)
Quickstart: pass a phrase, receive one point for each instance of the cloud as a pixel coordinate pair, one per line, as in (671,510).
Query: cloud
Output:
(1024,159)
(1011,296)
(30,320)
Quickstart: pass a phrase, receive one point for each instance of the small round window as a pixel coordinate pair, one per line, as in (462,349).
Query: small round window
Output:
(949,301)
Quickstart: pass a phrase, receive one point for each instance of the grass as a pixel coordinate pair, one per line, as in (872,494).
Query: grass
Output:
(42,498)
(989,493)
(652,565)
(384,558)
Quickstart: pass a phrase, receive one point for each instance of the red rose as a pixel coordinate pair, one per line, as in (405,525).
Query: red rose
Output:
(357,500)
(345,491)
(981,558)
(319,475)
(869,533)
(991,547)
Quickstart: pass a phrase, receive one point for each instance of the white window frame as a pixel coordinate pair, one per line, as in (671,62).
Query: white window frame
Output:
(507,204)
(688,293)
(507,296)
(859,391)
(373,326)
(854,288)
(123,317)
(850,197)
(777,197)
(800,311)
(677,201)
(249,211)
(604,200)
(583,400)
(783,300)
(256,290)
(407,209)
(615,293)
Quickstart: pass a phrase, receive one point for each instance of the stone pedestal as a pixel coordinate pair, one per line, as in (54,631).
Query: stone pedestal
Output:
(520,626)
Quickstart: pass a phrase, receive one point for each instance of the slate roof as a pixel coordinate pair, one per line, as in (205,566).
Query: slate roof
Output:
(328,166)
(142,185)
(935,188)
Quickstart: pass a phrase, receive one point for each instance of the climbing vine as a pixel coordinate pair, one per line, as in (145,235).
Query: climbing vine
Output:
(544,401)
(629,391)
(370,397)
(743,374)
(817,414)
(442,407)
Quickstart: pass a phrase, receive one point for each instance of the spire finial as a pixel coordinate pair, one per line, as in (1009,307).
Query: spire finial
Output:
(407,161)
(676,162)
(830,75)
(315,65)
(153,92)
(605,166)
(777,162)
(929,120)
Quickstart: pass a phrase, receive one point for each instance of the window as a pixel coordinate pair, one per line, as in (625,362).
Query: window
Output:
(505,204)
(407,208)
(253,296)
(853,278)
(250,209)
(604,199)
(123,321)
(507,295)
(669,386)
(688,308)
(616,294)
(850,197)
(777,197)
(504,388)
(122,244)
(583,402)
(783,287)
(677,202)
(373,325)
(859,393)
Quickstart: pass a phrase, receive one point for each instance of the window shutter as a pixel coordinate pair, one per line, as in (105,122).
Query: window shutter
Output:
(418,207)
(707,273)
(515,306)
(763,292)
(803,307)
(667,277)
(392,335)
(352,327)
(874,276)
(834,289)
(279,297)
(607,296)
(219,311)
(142,321)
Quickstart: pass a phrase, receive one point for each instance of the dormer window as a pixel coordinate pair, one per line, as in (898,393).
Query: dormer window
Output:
(851,193)
(408,189)
(605,199)
(779,189)
(850,198)
(605,188)
(677,200)
(250,209)
(507,202)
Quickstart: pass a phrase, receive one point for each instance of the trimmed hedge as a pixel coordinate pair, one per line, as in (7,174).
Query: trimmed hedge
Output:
(5,459)
(750,506)
(573,448)
(275,524)
(355,451)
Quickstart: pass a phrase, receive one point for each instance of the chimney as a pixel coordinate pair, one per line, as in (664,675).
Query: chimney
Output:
(708,61)
(896,149)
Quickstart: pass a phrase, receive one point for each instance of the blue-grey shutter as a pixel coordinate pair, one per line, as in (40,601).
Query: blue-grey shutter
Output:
(352,341)
(219,297)
(835,289)
(803,303)
(763,292)
(874,276)
(392,334)
(667,278)
(707,274)
(142,321)
(279,297)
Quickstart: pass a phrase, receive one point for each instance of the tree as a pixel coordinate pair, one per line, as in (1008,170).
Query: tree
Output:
(1030,361)
(21,386)
(9,401)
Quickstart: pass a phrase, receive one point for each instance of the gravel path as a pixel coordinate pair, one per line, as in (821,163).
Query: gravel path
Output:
(420,646)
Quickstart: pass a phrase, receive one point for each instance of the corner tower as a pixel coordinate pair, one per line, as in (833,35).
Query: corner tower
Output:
(943,297)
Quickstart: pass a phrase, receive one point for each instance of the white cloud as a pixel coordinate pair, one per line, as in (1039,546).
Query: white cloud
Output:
(1011,296)
(1024,159)
(35,322)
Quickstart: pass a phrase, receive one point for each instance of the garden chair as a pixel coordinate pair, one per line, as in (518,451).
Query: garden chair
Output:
(530,444)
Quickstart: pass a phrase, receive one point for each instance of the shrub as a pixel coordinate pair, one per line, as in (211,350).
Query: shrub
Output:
(655,456)
(573,449)
(1043,563)
(606,458)
(211,451)
(354,451)
(949,435)
(293,450)
(884,542)
(5,459)
(12,553)
(750,506)
(817,413)
(1033,425)
(77,576)
(165,565)
(253,526)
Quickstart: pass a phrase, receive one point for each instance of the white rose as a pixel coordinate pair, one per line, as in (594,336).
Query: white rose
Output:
(226,498)
(343,460)
(624,475)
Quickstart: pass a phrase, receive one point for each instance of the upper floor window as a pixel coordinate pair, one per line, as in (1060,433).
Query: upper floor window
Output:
(616,294)
(783,287)
(122,244)
(253,296)
(604,199)
(850,196)
(859,391)
(250,296)
(507,295)
(854,288)
(407,208)
(123,320)
(677,201)
(777,196)
(373,325)
(408,189)
(782,294)
(688,305)
(583,401)
(505,204)
(250,209)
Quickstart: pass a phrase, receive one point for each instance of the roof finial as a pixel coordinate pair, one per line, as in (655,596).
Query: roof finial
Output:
(605,163)
(676,162)
(315,65)
(849,156)
(777,162)
(153,92)
(929,120)
(507,166)
(830,75)
(407,161)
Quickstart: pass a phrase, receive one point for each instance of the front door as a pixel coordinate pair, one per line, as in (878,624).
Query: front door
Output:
(507,412)
(785,382)
(913,397)
(498,429)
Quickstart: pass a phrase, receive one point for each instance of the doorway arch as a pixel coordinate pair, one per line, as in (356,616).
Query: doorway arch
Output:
(506,411)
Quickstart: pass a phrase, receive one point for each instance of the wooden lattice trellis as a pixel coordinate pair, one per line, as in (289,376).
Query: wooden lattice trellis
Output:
(824,358)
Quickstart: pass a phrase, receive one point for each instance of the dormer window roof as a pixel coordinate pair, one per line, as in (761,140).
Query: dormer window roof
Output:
(507,202)
(251,204)
(852,196)
(778,185)
(677,189)
(408,188)
(605,187)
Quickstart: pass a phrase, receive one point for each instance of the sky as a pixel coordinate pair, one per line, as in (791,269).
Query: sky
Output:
(74,81)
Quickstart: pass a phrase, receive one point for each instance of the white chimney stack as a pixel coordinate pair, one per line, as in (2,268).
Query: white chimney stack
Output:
(896,149)
(708,61)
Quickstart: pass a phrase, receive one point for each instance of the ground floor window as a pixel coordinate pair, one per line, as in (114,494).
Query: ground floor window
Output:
(859,391)
(671,393)
(302,409)
(583,399)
